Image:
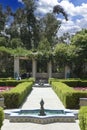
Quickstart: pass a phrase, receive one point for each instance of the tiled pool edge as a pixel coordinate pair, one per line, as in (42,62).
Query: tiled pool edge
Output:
(45,120)
(12,117)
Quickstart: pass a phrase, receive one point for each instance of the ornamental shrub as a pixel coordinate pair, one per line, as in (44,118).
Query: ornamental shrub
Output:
(70,82)
(68,95)
(83,118)
(13,82)
(15,97)
(1,116)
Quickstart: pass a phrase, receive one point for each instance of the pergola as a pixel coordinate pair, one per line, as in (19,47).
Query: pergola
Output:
(21,53)
(35,75)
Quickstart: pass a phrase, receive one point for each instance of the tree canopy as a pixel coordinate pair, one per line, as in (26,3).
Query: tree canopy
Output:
(23,33)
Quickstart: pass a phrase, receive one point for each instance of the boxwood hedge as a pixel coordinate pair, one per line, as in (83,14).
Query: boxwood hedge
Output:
(13,82)
(70,82)
(15,97)
(68,95)
(1,117)
(83,118)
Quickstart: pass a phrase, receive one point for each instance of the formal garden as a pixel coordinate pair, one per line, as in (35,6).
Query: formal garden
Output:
(64,88)
(30,50)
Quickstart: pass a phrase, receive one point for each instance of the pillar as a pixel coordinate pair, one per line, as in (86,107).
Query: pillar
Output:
(34,68)
(49,69)
(16,67)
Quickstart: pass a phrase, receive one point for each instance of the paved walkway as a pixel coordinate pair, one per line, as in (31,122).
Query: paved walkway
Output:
(33,102)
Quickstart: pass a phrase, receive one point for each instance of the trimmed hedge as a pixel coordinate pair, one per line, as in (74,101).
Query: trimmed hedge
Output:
(68,95)
(15,97)
(13,82)
(83,118)
(1,116)
(70,82)
(9,82)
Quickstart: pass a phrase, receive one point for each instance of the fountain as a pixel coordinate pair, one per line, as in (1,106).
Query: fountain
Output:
(42,113)
(41,116)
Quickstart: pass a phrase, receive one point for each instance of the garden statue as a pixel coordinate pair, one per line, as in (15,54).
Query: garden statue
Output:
(42,113)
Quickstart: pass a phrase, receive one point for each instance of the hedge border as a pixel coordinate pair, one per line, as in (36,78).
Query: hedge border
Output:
(68,95)
(16,96)
(13,82)
(83,118)
(1,116)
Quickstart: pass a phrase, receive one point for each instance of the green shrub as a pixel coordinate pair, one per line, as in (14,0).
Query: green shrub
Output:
(83,118)
(68,95)
(64,92)
(1,117)
(83,83)
(13,82)
(70,82)
(15,97)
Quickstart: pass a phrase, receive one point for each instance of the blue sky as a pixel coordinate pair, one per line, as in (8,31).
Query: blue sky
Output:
(76,10)
(14,4)
(78,2)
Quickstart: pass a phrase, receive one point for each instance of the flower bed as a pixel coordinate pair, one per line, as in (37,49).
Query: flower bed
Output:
(5,88)
(80,88)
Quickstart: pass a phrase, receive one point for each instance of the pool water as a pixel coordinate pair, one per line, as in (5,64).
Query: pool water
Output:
(37,111)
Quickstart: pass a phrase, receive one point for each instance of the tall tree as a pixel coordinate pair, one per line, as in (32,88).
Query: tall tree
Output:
(49,26)
(2,19)
(80,41)
(65,38)
(26,24)
(5,17)
(44,45)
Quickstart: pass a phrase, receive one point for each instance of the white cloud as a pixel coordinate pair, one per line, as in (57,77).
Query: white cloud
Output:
(82,23)
(46,5)
(69,26)
(68,6)
(48,2)
(75,23)
(77,15)
(20,1)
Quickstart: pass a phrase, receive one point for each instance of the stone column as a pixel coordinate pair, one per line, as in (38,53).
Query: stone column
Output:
(67,72)
(16,67)
(34,68)
(49,69)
